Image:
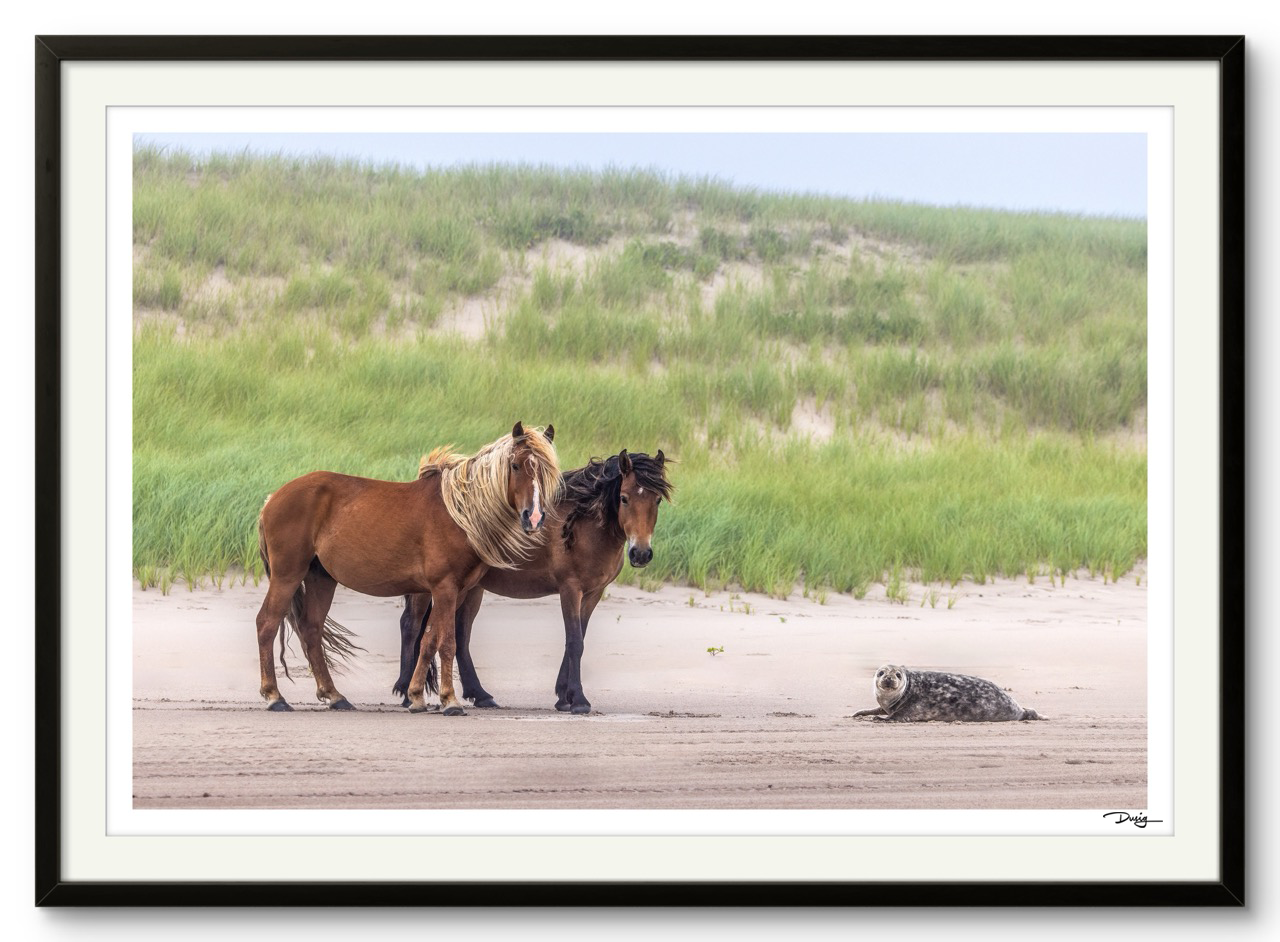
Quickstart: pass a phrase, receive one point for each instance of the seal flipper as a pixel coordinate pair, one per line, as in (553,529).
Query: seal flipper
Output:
(1031,715)
(878,711)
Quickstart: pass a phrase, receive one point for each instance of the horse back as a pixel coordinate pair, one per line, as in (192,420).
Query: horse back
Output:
(315,499)
(370,535)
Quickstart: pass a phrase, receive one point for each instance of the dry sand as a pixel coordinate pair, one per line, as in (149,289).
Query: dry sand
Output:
(766,724)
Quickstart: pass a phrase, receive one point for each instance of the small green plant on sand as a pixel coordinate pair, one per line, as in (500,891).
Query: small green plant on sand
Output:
(895,589)
(713,651)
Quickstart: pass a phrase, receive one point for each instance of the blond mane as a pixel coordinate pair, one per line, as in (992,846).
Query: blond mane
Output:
(475,494)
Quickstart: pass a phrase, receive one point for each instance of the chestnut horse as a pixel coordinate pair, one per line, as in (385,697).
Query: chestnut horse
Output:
(438,534)
(603,507)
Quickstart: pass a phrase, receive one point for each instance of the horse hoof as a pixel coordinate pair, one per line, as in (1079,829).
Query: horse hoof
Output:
(455,711)
(581,708)
(562,706)
(279,706)
(406,702)
(488,703)
(343,704)
(424,708)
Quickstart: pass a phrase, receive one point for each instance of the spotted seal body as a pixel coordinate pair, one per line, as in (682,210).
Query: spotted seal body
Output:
(908,696)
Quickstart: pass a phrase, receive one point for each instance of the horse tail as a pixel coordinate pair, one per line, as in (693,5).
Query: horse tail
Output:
(295,608)
(262,540)
(336,640)
(433,679)
(433,682)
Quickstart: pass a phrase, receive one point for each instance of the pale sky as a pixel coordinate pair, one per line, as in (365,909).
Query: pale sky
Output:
(1095,174)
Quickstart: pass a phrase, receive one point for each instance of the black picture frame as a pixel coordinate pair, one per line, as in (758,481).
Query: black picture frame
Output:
(52,52)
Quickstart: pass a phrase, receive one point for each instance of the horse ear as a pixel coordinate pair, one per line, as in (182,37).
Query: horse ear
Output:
(550,433)
(624,463)
(662,459)
(517,431)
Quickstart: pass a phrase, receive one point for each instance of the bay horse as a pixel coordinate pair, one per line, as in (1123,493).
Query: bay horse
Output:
(440,534)
(603,507)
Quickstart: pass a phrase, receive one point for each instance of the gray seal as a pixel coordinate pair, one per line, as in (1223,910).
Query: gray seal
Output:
(907,696)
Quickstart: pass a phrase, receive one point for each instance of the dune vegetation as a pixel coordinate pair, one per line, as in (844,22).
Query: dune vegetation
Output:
(852,390)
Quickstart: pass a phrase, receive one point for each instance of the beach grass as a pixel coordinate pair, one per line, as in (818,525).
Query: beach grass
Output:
(854,391)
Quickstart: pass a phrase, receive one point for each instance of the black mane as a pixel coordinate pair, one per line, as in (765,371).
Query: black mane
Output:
(592,490)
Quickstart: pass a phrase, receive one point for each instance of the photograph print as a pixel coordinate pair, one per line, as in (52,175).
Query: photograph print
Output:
(742,471)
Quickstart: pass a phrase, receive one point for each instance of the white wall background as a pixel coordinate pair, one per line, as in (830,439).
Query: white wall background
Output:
(20,22)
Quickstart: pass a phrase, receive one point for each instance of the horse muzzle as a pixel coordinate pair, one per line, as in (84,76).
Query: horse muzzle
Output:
(640,556)
(529,522)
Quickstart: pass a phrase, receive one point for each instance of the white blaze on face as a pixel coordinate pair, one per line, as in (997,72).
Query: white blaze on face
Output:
(535,515)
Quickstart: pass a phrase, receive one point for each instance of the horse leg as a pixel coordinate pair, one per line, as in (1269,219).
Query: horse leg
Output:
(569,667)
(448,648)
(412,629)
(316,600)
(439,637)
(471,687)
(274,607)
(569,685)
(589,602)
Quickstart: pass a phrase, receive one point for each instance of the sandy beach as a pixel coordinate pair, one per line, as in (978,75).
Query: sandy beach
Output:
(768,723)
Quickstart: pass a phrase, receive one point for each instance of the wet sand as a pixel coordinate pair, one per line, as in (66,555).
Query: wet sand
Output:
(768,723)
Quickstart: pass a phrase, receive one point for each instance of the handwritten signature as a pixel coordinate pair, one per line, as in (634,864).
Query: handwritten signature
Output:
(1139,820)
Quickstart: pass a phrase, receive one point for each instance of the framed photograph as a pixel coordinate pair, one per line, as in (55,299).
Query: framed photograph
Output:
(876,402)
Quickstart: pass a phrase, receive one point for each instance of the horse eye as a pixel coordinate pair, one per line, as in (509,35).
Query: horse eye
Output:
(622,498)
(514,466)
